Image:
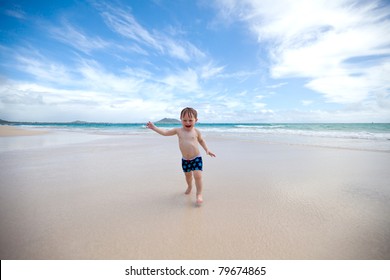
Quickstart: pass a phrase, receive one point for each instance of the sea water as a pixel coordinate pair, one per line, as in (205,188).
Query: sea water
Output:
(362,136)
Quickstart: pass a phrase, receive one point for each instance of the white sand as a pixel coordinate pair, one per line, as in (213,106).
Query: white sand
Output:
(9,131)
(123,198)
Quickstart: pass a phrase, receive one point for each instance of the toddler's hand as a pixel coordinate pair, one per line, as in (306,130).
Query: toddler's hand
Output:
(150,125)
(211,154)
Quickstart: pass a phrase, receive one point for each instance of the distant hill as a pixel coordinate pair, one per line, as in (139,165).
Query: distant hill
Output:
(168,120)
(163,121)
(4,122)
(8,122)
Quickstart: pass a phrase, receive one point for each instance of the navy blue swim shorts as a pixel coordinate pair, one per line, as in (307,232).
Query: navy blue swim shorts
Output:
(192,164)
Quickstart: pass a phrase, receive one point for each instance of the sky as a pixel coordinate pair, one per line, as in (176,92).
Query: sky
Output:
(264,61)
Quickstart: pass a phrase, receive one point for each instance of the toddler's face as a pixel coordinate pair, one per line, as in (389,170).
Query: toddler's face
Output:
(188,122)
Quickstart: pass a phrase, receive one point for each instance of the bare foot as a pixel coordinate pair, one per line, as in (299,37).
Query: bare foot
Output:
(188,191)
(199,199)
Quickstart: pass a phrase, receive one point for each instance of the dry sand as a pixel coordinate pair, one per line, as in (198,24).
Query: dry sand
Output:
(123,198)
(9,131)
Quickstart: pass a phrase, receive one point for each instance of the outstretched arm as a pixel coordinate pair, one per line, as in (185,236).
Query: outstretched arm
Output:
(163,132)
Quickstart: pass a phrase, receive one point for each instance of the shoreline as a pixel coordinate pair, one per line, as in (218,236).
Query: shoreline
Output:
(282,138)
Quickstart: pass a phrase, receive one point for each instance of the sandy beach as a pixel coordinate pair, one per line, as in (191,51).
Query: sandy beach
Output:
(10,131)
(122,197)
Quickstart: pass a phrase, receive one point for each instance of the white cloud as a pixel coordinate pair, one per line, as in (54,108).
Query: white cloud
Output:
(121,21)
(94,76)
(15,12)
(209,71)
(344,88)
(21,101)
(89,86)
(41,68)
(86,74)
(241,76)
(74,37)
(259,105)
(185,80)
(276,85)
(307,102)
(316,39)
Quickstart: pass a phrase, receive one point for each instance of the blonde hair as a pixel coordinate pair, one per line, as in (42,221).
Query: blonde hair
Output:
(191,112)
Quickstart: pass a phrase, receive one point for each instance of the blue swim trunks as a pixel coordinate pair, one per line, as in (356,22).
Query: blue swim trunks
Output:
(189,165)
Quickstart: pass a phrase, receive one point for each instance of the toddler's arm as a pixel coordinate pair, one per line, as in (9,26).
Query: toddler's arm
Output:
(204,146)
(163,132)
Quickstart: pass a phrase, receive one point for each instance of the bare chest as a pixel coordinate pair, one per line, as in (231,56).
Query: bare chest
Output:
(188,137)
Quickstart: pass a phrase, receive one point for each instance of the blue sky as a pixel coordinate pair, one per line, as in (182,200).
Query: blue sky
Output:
(232,60)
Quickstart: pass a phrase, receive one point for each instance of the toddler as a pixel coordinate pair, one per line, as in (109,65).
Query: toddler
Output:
(189,137)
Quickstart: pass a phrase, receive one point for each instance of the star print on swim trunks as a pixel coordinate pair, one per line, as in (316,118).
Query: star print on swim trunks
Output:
(192,164)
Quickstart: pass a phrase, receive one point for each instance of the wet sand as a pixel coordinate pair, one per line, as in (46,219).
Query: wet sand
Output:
(122,197)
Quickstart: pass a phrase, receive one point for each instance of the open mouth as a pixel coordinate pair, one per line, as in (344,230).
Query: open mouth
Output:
(188,126)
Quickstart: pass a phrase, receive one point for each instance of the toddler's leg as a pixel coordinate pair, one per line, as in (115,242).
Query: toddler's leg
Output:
(199,186)
(189,182)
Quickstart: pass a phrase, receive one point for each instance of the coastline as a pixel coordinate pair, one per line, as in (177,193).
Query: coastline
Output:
(354,136)
(122,197)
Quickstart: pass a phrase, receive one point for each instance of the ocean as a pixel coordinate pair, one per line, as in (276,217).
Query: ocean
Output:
(362,136)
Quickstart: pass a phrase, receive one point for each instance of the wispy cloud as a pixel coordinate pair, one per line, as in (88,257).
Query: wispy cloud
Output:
(186,80)
(122,21)
(30,61)
(74,37)
(15,12)
(276,85)
(210,71)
